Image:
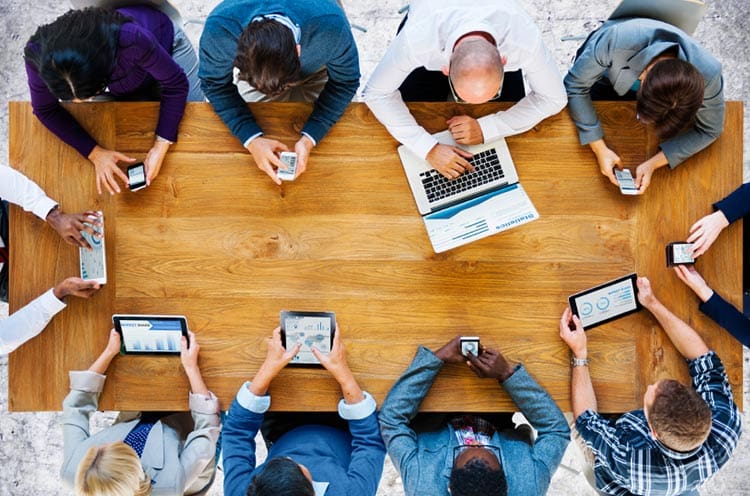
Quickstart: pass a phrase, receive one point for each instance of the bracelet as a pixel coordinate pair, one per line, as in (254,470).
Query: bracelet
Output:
(579,362)
(163,140)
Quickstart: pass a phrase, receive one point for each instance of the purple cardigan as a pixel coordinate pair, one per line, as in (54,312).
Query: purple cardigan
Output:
(143,56)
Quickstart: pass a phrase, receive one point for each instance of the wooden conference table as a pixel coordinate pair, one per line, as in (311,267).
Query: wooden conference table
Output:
(214,239)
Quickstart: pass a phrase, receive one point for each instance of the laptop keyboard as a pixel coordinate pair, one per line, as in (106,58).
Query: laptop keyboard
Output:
(487,169)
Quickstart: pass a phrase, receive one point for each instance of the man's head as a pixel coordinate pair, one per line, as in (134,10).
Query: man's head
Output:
(268,57)
(670,96)
(477,472)
(476,69)
(282,477)
(678,417)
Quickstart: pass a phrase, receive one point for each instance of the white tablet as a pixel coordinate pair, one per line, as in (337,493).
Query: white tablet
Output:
(93,263)
(606,302)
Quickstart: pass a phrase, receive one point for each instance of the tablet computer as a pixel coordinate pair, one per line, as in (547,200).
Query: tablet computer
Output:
(310,329)
(606,302)
(93,263)
(150,334)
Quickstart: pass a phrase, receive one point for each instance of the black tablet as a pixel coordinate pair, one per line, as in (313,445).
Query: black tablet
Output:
(151,334)
(310,329)
(606,302)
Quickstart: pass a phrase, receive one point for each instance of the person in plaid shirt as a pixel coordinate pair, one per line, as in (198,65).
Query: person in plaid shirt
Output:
(680,438)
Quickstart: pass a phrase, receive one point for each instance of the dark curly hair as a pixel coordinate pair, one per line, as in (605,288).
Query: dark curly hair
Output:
(476,478)
(267,57)
(280,477)
(76,53)
(670,97)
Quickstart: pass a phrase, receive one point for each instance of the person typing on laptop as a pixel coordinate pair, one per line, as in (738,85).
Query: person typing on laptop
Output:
(468,52)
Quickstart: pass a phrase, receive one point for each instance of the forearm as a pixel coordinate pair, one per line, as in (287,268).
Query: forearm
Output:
(350,389)
(262,381)
(102,363)
(728,317)
(22,191)
(582,391)
(197,386)
(687,341)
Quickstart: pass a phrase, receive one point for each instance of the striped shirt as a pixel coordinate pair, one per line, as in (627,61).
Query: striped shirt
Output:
(629,460)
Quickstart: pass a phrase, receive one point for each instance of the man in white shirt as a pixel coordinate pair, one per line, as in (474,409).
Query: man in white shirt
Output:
(473,44)
(34,317)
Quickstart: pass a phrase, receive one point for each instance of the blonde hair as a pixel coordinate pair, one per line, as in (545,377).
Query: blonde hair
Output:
(112,469)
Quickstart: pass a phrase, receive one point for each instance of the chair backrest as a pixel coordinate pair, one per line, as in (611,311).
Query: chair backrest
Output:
(162,5)
(684,14)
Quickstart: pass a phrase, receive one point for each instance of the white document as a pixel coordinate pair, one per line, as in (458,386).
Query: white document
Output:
(476,219)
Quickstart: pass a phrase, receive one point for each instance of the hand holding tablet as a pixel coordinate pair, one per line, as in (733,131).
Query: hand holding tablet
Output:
(309,329)
(606,302)
(151,334)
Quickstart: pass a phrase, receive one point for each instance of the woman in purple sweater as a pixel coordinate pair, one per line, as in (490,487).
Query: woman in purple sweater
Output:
(132,53)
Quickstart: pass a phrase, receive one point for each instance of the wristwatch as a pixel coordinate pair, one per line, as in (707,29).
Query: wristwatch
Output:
(579,362)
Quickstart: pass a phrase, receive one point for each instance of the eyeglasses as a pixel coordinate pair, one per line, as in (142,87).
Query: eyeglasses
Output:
(460,449)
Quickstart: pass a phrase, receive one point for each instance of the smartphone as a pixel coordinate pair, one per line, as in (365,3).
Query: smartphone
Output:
(626,182)
(290,160)
(470,345)
(137,176)
(679,253)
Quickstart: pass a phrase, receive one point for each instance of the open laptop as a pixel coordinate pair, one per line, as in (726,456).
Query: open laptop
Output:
(474,205)
(685,14)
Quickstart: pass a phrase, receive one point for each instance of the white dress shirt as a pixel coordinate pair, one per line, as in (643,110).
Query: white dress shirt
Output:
(28,321)
(22,191)
(34,317)
(427,40)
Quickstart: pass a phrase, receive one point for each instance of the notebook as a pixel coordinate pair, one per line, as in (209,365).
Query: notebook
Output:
(476,204)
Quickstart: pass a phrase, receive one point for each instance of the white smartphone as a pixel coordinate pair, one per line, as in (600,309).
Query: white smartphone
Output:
(626,182)
(290,160)
(93,264)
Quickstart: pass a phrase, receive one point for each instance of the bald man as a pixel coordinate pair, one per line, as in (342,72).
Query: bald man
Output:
(470,52)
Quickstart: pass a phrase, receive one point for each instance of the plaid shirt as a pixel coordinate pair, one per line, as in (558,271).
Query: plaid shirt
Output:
(629,460)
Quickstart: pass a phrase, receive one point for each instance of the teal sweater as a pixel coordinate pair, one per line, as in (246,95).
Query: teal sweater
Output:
(326,41)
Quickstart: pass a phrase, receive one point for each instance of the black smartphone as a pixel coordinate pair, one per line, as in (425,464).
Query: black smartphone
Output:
(679,253)
(137,176)
(470,344)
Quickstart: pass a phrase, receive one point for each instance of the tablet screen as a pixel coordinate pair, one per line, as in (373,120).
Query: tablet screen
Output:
(151,334)
(606,302)
(309,329)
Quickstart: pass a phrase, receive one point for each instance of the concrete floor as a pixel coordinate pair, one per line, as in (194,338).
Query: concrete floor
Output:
(31,443)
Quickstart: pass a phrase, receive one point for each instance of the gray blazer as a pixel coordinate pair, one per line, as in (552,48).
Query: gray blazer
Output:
(176,465)
(619,51)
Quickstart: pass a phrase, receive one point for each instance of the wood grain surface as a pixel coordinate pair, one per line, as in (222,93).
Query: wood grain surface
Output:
(213,238)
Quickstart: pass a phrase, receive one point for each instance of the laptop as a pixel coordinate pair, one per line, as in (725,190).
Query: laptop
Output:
(474,205)
(684,14)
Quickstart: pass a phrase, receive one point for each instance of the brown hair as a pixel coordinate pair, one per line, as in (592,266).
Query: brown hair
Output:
(680,418)
(267,57)
(670,96)
(112,469)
